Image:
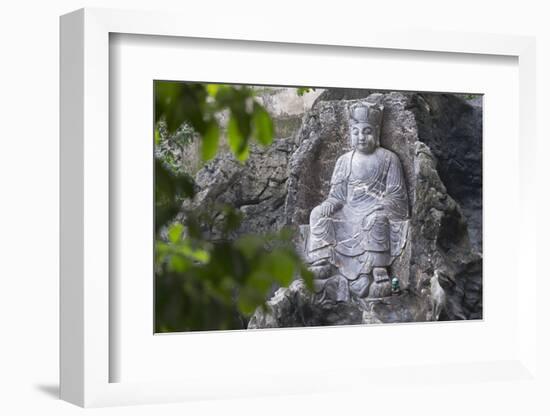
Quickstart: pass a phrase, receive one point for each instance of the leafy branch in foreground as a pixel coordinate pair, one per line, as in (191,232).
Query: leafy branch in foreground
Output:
(199,105)
(202,283)
(303,90)
(218,285)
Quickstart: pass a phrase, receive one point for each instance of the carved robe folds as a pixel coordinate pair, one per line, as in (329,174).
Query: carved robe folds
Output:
(369,224)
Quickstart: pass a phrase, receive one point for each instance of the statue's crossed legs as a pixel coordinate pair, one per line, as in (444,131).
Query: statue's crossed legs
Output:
(349,259)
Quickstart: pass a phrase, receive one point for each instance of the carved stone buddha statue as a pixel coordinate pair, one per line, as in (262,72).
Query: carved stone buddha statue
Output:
(361,227)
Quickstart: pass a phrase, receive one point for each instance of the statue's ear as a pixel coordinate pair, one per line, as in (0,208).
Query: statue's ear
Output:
(350,135)
(379,131)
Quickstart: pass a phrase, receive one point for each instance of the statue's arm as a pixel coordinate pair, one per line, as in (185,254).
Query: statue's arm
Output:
(396,201)
(338,188)
(337,195)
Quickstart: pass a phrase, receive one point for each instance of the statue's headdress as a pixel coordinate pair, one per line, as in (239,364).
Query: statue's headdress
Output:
(369,111)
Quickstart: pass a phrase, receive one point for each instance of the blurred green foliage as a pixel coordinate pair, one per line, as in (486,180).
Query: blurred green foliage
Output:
(199,106)
(207,276)
(303,90)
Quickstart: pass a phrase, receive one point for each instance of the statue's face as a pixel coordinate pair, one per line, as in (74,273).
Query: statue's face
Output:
(364,137)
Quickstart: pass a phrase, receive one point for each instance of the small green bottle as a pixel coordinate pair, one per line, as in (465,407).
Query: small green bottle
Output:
(395,289)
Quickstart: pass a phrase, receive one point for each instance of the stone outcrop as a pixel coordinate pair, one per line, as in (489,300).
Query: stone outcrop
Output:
(296,306)
(438,140)
(257,189)
(451,126)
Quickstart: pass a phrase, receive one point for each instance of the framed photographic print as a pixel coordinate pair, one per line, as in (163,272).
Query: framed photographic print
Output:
(340,206)
(328,210)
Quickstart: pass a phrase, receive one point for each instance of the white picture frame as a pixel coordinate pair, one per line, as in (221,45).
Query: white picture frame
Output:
(85,352)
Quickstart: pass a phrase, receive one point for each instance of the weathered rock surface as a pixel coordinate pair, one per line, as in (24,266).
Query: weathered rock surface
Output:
(257,188)
(438,140)
(452,129)
(296,306)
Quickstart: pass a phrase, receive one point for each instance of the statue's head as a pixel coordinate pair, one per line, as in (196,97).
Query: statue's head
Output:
(365,124)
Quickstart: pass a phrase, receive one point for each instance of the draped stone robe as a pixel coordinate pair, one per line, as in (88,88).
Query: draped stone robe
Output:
(370,228)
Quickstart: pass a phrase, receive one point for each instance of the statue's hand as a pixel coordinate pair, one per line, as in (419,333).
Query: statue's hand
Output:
(327,208)
(338,205)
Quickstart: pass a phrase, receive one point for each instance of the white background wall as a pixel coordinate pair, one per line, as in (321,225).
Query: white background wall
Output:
(29,183)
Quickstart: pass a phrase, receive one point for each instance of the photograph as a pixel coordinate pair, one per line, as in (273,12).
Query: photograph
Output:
(275,209)
(305,206)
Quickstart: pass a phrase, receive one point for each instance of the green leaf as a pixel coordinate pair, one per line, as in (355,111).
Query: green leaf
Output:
(282,267)
(244,155)
(210,141)
(212,89)
(231,218)
(193,226)
(237,142)
(260,281)
(200,255)
(178,264)
(157,136)
(249,244)
(307,276)
(225,96)
(263,125)
(185,185)
(303,90)
(167,103)
(286,234)
(248,301)
(174,233)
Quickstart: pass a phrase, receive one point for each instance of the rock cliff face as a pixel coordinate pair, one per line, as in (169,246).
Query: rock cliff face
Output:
(452,129)
(438,140)
(258,188)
